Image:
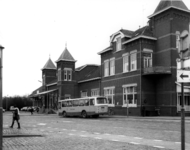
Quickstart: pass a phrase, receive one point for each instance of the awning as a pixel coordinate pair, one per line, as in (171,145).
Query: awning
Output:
(42,93)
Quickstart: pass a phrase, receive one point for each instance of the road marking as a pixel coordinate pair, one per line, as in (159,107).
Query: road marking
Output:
(177,142)
(64,129)
(138,138)
(157,140)
(41,124)
(67,121)
(134,143)
(96,133)
(83,131)
(71,134)
(83,135)
(114,140)
(106,134)
(121,135)
(98,138)
(158,146)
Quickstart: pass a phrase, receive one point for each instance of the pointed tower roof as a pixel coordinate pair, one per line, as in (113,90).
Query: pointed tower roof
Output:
(66,56)
(49,65)
(167,4)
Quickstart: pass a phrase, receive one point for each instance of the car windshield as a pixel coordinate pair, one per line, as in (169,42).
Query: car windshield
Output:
(101,101)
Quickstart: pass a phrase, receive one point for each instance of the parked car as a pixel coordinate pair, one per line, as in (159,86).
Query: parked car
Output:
(23,109)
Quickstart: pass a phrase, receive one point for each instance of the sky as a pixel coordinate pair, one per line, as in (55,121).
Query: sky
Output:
(32,31)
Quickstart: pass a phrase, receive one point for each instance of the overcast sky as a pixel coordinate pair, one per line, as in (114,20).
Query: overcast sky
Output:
(34,30)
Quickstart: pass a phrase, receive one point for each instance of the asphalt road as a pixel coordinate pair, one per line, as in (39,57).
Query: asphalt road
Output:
(104,133)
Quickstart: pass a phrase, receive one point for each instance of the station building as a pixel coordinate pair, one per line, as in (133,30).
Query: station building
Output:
(137,72)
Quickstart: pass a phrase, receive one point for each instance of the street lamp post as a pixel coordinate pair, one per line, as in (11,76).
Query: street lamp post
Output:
(1,99)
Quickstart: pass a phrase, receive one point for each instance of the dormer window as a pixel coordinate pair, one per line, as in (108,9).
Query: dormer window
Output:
(118,43)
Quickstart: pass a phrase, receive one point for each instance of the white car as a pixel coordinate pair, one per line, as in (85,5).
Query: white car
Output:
(24,109)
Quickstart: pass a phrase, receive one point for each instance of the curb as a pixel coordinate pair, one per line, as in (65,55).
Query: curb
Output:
(22,135)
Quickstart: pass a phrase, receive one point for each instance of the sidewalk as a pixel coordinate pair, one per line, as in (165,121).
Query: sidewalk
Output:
(23,132)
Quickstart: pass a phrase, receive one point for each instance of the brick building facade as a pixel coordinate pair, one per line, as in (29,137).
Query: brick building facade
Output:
(137,72)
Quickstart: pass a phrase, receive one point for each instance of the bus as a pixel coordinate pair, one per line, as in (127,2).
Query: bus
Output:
(84,107)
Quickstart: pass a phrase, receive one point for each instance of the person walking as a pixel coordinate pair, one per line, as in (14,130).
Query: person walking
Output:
(16,116)
(31,110)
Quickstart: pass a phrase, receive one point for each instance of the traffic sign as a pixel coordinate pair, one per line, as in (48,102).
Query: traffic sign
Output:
(183,76)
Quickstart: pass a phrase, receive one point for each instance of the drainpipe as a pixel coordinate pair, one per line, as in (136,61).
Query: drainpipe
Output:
(140,76)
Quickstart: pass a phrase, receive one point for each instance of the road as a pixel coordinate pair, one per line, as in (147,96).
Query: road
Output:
(104,133)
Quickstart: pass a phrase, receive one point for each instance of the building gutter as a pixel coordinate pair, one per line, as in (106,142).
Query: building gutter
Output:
(89,80)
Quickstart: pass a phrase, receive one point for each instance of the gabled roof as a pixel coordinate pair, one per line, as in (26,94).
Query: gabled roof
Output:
(123,32)
(49,65)
(82,67)
(91,75)
(143,31)
(66,56)
(105,50)
(167,4)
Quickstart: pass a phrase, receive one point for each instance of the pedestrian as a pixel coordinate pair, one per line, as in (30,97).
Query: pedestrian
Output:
(31,110)
(16,116)
(37,109)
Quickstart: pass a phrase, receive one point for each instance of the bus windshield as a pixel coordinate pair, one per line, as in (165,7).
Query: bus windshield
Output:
(101,100)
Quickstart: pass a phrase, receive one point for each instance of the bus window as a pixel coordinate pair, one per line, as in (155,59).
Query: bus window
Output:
(101,101)
(75,103)
(81,102)
(86,102)
(69,104)
(92,102)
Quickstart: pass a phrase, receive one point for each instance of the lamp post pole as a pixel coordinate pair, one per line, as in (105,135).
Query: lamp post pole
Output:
(1,99)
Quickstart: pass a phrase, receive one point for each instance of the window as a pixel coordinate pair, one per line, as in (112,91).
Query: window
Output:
(126,62)
(67,74)
(112,66)
(83,94)
(95,92)
(109,94)
(59,74)
(147,57)
(133,58)
(106,68)
(130,95)
(186,99)
(44,80)
(118,44)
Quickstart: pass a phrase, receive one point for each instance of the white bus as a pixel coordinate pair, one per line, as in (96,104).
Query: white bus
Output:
(88,106)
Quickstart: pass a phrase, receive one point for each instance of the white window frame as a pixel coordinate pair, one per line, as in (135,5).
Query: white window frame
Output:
(118,43)
(109,92)
(83,94)
(67,74)
(106,68)
(125,62)
(95,92)
(125,95)
(147,61)
(133,60)
(59,74)
(112,66)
